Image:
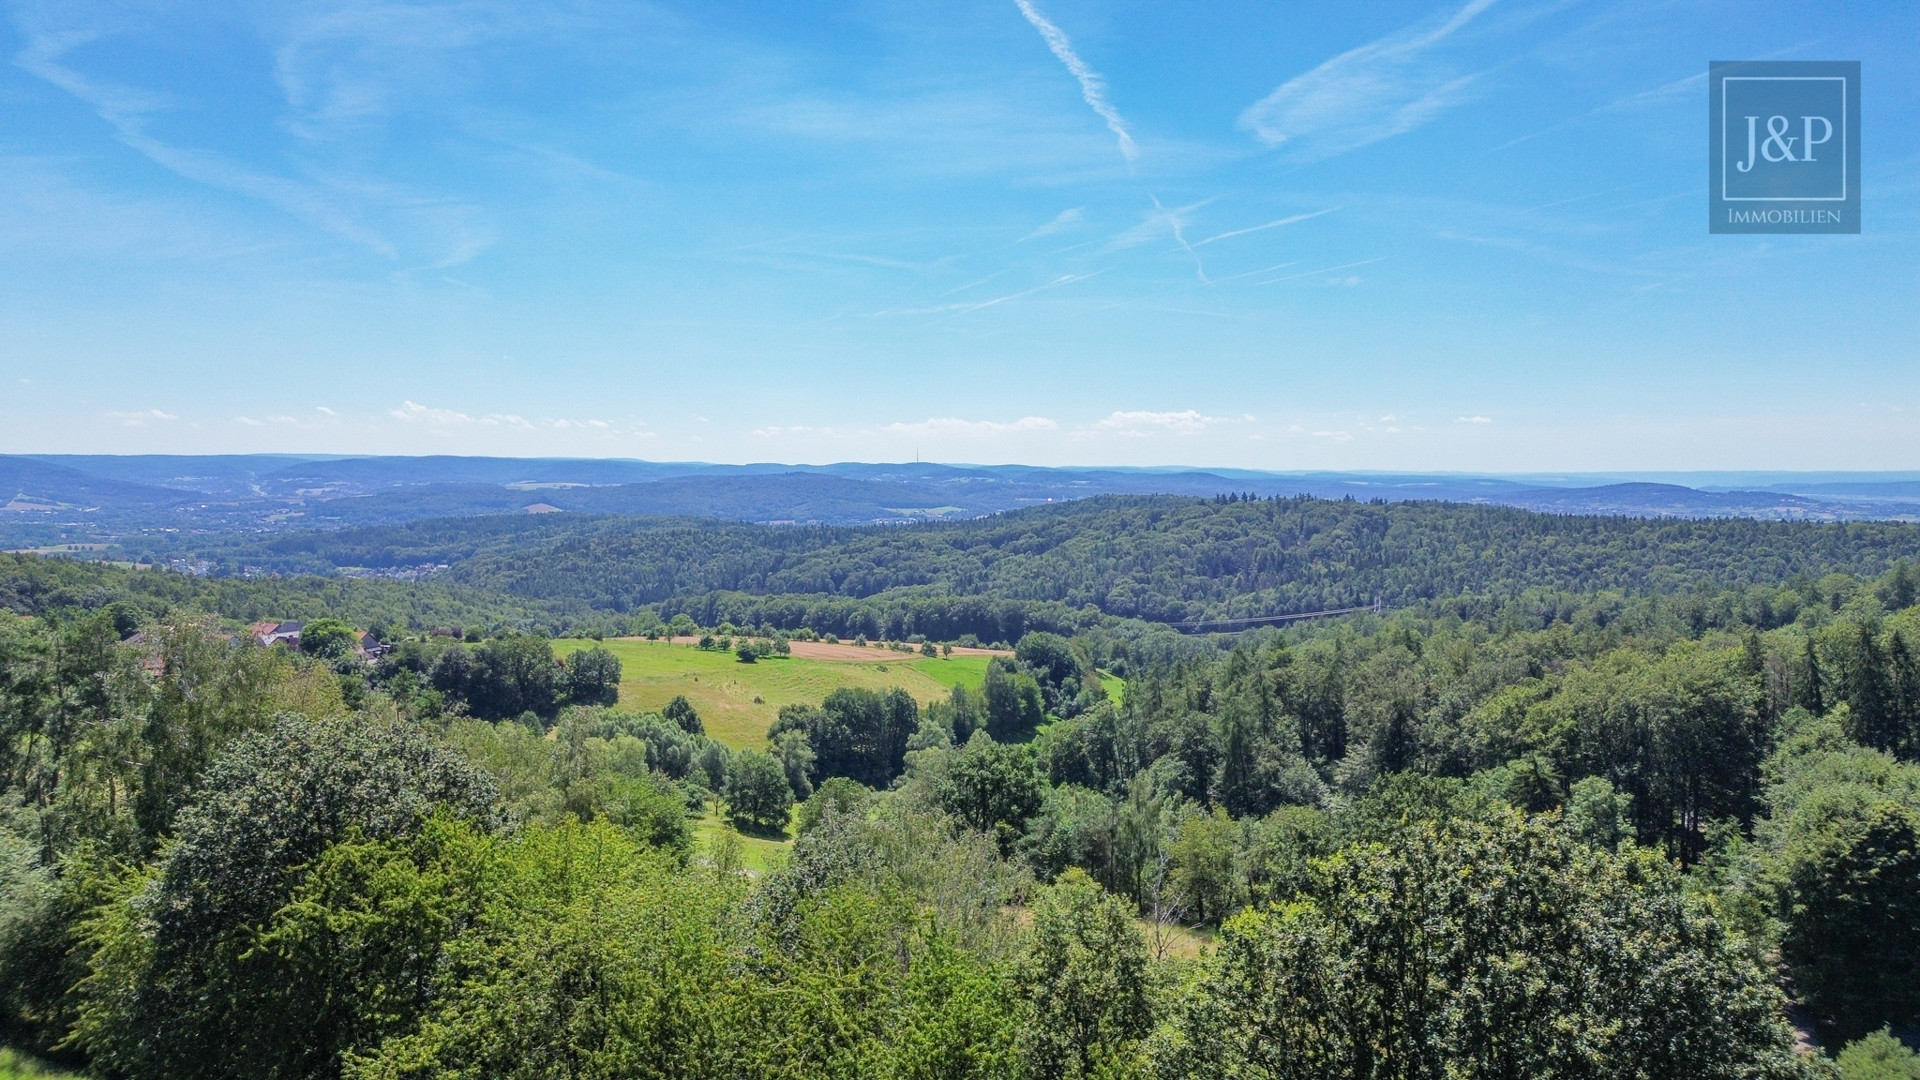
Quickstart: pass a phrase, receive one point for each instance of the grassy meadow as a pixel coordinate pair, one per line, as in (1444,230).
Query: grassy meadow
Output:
(738,702)
(758,853)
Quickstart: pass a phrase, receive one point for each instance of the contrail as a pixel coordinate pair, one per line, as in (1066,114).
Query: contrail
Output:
(1092,86)
(1268,225)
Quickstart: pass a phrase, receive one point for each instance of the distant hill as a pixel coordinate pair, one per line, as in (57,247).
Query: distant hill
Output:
(62,498)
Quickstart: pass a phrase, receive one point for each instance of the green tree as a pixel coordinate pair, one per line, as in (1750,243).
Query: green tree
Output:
(856,733)
(591,959)
(1903,670)
(993,787)
(1202,863)
(1853,920)
(796,757)
(1084,973)
(208,692)
(593,677)
(1871,697)
(1502,949)
(835,795)
(1810,688)
(328,639)
(1878,1055)
(1835,863)
(1597,814)
(1013,701)
(757,792)
(682,712)
(176,988)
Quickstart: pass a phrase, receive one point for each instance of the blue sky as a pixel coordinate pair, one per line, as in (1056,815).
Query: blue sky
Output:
(1281,235)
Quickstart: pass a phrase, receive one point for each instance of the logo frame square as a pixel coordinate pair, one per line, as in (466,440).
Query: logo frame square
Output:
(1792,212)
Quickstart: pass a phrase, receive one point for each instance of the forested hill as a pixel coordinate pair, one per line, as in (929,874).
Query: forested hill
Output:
(1160,558)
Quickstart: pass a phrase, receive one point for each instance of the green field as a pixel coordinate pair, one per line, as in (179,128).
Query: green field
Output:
(738,702)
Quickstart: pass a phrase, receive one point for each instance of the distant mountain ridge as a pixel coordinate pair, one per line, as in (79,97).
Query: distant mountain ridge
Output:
(64,497)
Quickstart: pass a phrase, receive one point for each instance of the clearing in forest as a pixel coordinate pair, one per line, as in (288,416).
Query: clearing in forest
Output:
(737,702)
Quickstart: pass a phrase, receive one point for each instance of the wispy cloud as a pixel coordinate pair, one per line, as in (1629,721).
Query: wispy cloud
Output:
(976,305)
(1381,89)
(1259,228)
(127,111)
(1177,224)
(1160,222)
(1473,420)
(1322,270)
(325,185)
(1066,219)
(1092,87)
(951,425)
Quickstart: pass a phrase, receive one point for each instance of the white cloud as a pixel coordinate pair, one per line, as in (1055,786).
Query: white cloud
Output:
(324,411)
(1384,88)
(249,421)
(951,425)
(1092,87)
(415,413)
(1143,424)
(1472,420)
(141,418)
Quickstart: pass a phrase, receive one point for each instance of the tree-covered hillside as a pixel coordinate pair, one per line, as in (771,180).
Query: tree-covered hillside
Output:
(31,585)
(1162,559)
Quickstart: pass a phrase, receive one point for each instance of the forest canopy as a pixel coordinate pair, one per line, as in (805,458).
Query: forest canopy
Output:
(1624,826)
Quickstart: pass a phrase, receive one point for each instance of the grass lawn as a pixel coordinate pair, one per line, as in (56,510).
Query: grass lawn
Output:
(758,854)
(18,1066)
(738,702)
